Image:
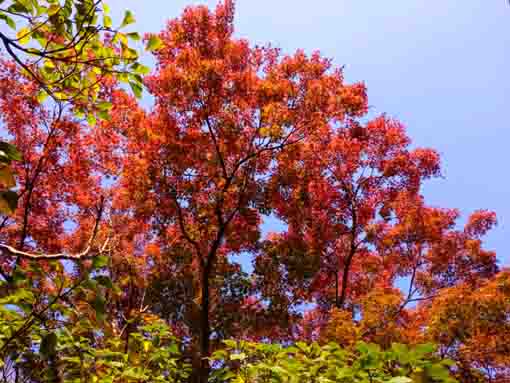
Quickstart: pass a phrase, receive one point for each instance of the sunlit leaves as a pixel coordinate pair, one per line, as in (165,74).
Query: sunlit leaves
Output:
(128,19)
(304,362)
(74,37)
(154,43)
(136,88)
(23,36)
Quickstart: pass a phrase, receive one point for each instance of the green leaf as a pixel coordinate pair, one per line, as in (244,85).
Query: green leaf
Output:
(8,202)
(424,349)
(448,362)
(105,281)
(400,379)
(100,262)
(132,373)
(23,6)
(9,151)
(135,36)
(49,345)
(438,372)
(10,22)
(99,305)
(41,96)
(107,21)
(122,38)
(104,115)
(28,4)
(136,88)
(154,43)
(91,119)
(129,18)
(140,69)
(231,344)
(104,105)
(240,356)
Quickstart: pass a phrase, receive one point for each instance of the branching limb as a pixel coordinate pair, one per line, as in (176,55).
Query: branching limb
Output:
(87,253)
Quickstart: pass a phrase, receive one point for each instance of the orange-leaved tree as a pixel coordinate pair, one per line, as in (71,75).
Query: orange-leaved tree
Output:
(199,165)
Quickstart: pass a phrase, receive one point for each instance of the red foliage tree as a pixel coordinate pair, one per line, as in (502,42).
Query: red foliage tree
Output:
(59,188)
(224,113)
(335,193)
(237,133)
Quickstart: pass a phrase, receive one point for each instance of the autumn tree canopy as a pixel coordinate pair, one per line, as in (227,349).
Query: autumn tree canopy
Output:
(125,259)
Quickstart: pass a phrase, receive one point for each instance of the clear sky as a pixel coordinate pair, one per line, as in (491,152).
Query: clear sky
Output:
(442,67)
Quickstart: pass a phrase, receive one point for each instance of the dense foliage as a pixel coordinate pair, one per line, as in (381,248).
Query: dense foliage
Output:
(123,258)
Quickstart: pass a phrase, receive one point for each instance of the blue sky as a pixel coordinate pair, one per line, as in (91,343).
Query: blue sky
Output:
(442,67)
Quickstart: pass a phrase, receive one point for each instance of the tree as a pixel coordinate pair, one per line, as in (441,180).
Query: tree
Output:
(336,196)
(224,112)
(120,262)
(74,47)
(57,190)
(476,332)
(69,50)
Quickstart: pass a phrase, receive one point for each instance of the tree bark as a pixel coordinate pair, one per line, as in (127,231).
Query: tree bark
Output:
(205,328)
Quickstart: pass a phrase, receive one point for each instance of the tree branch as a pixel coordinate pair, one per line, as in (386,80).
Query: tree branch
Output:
(85,254)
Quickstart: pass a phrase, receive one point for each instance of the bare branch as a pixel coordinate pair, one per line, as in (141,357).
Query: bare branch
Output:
(87,253)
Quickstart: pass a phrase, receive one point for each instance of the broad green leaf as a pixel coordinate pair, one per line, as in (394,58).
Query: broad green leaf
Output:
(49,344)
(438,372)
(154,43)
(41,96)
(240,356)
(423,349)
(400,379)
(107,21)
(129,18)
(28,4)
(9,151)
(10,22)
(8,202)
(135,36)
(104,115)
(99,305)
(448,362)
(104,105)
(140,69)
(91,119)
(100,262)
(136,88)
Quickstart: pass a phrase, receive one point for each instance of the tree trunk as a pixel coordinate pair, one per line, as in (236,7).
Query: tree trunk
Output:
(201,343)
(205,326)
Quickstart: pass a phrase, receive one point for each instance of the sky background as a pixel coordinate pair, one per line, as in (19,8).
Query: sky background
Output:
(442,67)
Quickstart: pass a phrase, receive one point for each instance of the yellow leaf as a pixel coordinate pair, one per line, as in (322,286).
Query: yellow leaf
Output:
(23,36)
(7,177)
(53,9)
